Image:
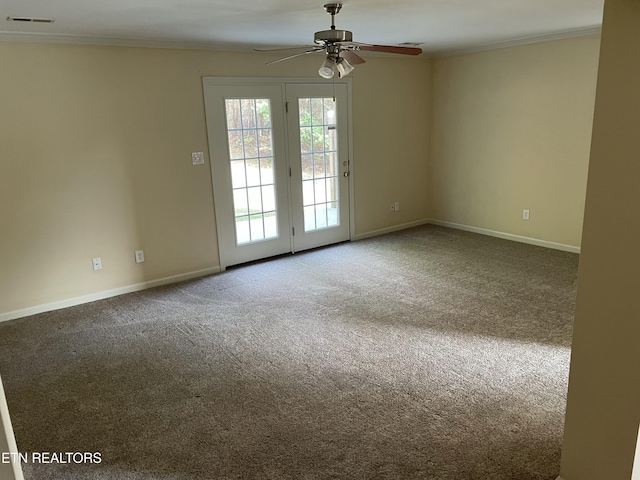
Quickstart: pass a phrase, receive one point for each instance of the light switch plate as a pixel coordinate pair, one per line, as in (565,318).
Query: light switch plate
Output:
(197,158)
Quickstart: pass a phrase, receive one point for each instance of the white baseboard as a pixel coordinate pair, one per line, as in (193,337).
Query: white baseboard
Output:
(468,228)
(507,236)
(395,228)
(210,271)
(70,302)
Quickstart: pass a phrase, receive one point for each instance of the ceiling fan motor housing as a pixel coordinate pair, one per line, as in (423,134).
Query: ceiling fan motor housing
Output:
(340,49)
(333,36)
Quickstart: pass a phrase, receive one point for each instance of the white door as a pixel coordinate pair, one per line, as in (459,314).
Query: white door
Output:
(249,168)
(280,179)
(319,156)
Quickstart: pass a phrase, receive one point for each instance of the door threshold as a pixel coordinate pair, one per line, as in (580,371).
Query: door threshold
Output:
(283,255)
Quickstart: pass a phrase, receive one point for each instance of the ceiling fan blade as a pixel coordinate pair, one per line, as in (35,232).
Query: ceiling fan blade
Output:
(299,47)
(352,57)
(388,48)
(318,49)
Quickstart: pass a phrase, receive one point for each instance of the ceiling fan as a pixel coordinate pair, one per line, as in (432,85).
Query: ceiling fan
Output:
(339,48)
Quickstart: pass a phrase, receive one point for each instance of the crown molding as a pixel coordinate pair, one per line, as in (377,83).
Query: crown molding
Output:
(45,38)
(23,37)
(20,37)
(548,37)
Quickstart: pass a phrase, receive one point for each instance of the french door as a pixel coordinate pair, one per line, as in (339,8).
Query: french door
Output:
(319,152)
(280,167)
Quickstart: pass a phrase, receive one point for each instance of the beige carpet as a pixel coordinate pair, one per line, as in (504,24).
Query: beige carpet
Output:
(428,353)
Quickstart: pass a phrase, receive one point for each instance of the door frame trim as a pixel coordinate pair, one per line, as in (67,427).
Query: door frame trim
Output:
(283,81)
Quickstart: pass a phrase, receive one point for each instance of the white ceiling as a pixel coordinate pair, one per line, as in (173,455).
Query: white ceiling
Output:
(439,25)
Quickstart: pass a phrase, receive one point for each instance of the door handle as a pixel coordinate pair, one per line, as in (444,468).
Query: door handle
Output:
(346,174)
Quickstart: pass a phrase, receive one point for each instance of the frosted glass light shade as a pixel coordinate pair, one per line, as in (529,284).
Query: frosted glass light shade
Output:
(327,68)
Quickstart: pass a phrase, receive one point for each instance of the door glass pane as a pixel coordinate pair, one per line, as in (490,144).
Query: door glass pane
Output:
(305,139)
(253,172)
(270,225)
(233,114)
(250,143)
(318,165)
(248,113)
(238,174)
(264,139)
(268,199)
(321,215)
(332,189)
(309,218)
(307,166)
(235,144)
(304,105)
(240,203)
(317,111)
(266,171)
(307,193)
(332,214)
(252,176)
(242,229)
(320,190)
(319,162)
(263,109)
(256,225)
(255,200)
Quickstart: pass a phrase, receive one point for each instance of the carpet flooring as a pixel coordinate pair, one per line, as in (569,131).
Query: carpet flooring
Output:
(428,353)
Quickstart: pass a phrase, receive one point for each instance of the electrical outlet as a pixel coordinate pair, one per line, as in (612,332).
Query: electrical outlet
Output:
(393,207)
(525,214)
(97,263)
(139,256)
(397,205)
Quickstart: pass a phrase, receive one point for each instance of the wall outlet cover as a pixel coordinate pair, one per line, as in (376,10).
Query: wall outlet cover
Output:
(197,158)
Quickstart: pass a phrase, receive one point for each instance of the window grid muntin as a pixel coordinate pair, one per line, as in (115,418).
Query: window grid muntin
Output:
(255,128)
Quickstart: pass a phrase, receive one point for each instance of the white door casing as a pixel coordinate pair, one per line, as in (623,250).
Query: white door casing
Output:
(280,165)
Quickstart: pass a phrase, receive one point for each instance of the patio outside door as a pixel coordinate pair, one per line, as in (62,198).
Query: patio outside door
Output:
(280,167)
(319,152)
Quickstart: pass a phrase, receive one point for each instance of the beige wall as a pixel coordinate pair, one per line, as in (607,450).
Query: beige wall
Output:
(511,131)
(603,403)
(391,149)
(95,160)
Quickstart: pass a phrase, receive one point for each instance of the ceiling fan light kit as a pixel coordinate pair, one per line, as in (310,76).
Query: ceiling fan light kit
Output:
(344,67)
(327,69)
(339,48)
